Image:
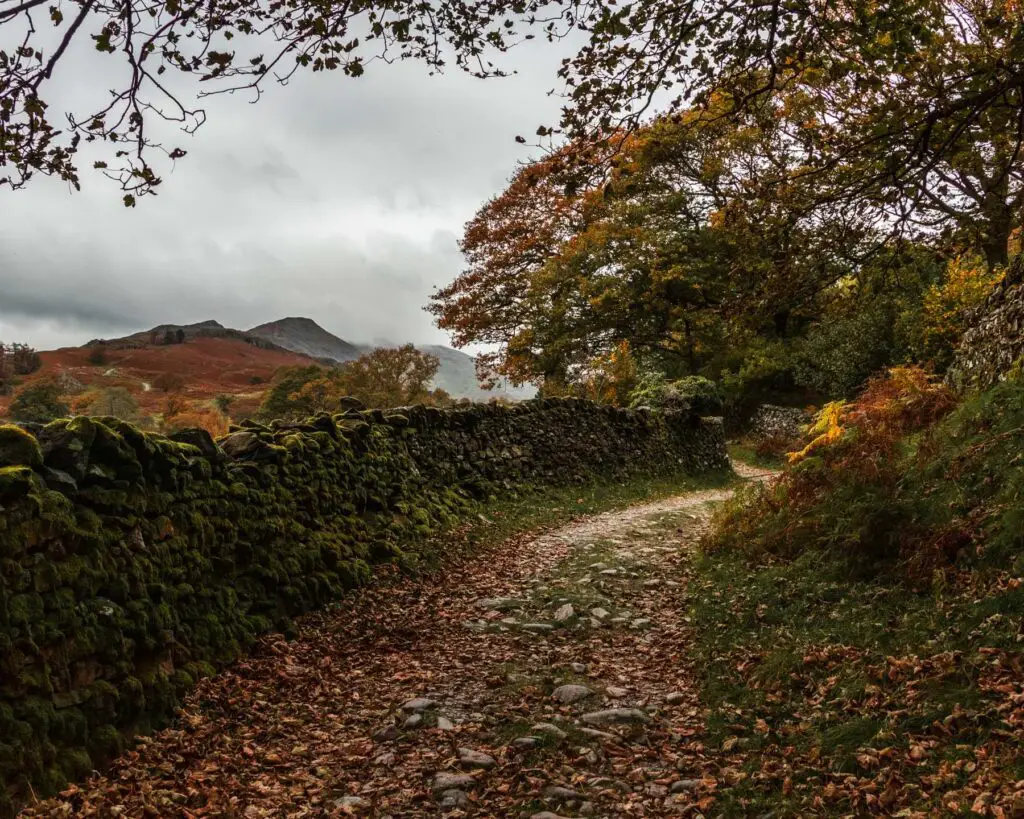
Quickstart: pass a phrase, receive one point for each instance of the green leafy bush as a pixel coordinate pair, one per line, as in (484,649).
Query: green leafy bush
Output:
(38,403)
(693,392)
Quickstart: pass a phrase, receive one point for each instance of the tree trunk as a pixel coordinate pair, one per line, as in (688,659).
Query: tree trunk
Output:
(996,247)
(995,234)
(691,352)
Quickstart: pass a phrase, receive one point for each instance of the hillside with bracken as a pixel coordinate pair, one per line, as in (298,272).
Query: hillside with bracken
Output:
(200,369)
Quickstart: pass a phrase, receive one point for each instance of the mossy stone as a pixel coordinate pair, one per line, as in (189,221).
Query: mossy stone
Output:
(18,447)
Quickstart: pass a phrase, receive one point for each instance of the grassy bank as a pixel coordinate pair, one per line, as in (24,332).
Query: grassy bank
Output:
(832,697)
(860,624)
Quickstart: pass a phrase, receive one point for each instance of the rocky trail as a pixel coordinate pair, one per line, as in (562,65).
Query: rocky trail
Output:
(545,677)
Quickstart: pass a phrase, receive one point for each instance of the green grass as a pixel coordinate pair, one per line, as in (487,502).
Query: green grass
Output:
(746,452)
(813,645)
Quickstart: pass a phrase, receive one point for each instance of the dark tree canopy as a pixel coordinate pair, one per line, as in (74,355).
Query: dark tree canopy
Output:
(966,55)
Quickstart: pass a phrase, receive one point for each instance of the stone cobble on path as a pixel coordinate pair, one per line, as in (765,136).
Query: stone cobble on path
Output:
(546,677)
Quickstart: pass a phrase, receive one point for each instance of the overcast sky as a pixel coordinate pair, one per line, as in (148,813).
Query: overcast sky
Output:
(334,198)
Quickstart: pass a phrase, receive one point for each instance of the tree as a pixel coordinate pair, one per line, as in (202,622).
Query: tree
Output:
(946,307)
(16,360)
(223,403)
(679,51)
(322,394)
(169,382)
(116,402)
(682,249)
(179,336)
(958,171)
(97,356)
(390,377)
(508,240)
(39,403)
(285,398)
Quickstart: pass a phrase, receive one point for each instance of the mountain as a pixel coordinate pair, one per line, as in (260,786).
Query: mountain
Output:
(213,361)
(216,360)
(305,336)
(200,330)
(456,375)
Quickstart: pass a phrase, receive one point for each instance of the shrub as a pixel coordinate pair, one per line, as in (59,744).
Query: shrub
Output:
(224,402)
(175,405)
(169,382)
(212,420)
(114,402)
(39,403)
(845,489)
(840,353)
(97,357)
(947,306)
(693,392)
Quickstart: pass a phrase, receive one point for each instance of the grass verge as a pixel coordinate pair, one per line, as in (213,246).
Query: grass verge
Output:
(829,696)
(748,452)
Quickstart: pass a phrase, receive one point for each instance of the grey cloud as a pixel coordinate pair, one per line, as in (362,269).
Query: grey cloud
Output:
(333,198)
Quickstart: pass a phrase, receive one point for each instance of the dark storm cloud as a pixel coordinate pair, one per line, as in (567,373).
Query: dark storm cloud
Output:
(332,198)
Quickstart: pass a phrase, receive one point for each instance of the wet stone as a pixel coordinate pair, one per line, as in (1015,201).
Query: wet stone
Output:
(468,758)
(557,793)
(445,781)
(568,694)
(547,729)
(454,798)
(616,716)
(413,721)
(418,704)
(386,733)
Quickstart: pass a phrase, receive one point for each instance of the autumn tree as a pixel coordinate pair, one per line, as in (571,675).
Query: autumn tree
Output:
(676,53)
(286,397)
(321,394)
(116,402)
(390,376)
(505,244)
(909,143)
(686,241)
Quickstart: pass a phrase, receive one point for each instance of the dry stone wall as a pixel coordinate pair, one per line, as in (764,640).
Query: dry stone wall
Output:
(132,564)
(995,342)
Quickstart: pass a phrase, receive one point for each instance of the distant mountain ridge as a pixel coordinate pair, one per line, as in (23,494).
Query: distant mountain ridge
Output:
(456,375)
(304,337)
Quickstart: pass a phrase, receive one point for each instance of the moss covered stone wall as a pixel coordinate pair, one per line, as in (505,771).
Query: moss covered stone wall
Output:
(131,564)
(995,341)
